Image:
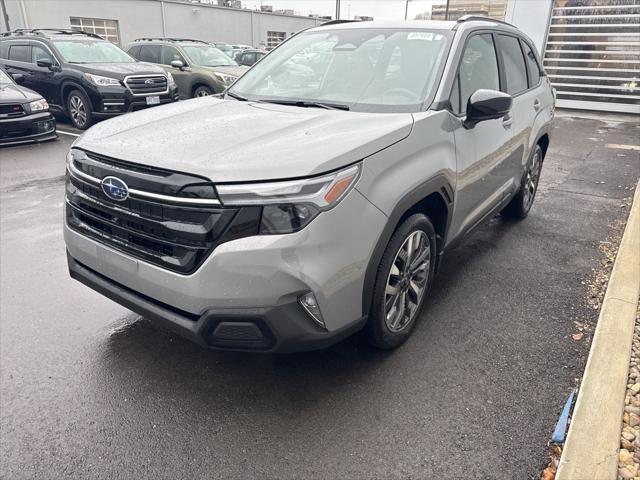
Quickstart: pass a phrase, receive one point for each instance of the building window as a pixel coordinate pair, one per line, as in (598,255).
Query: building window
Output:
(275,38)
(107,29)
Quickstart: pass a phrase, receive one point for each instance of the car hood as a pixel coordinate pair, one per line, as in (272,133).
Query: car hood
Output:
(119,70)
(234,70)
(16,94)
(234,141)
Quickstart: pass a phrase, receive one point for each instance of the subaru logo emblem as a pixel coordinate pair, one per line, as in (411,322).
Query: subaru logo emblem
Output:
(115,189)
(149,81)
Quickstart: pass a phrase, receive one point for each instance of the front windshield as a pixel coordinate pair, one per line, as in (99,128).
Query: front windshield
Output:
(4,78)
(365,69)
(206,56)
(82,51)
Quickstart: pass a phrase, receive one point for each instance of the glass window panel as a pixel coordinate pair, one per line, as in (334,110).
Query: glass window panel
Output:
(478,68)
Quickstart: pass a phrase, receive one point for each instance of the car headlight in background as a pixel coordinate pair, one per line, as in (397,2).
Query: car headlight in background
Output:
(38,105)
(102,81)
(170,79)
(291,205)
(226,79)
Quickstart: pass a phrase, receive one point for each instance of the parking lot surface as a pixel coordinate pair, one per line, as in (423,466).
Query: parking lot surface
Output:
(91,390)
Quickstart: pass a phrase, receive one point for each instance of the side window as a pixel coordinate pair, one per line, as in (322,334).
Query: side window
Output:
(515,70)
(40,53)
(150,53)
(135,51)
(533,69)
(169,54)
(478,69)
(20,53)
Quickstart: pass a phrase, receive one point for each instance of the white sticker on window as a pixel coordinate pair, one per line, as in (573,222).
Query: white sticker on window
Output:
(420,36)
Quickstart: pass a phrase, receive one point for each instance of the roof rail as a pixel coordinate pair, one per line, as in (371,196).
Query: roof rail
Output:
(165,39)
(44,31)
(338,22)
(469,17)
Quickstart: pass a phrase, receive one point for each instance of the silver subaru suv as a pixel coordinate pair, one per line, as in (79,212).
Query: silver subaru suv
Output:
(315,198)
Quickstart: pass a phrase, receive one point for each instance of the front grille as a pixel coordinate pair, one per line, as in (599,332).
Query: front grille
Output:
(147,84)
(11,110)
(176,237)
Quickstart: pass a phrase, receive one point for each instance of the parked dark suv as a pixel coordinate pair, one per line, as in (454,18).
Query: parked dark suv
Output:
(83,75)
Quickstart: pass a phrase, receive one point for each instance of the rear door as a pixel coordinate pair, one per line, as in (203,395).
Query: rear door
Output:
(525,102)
(482,152)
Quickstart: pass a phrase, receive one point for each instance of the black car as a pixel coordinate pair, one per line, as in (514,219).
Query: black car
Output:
(24,114)
(249,57)
(82,75)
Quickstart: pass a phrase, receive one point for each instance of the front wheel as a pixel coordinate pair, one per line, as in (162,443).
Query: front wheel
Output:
(202,91)
(520,205)
(404,277)
(79,109)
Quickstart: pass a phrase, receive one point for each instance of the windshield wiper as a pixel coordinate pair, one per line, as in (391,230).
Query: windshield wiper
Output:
(237,97)
(309,104)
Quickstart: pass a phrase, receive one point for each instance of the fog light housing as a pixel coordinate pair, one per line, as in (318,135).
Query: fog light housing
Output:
(310,304)
(43,127)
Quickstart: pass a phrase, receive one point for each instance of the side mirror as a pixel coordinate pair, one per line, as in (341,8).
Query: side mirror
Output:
(17,77)
(487,105)
(46,63)
(177,64)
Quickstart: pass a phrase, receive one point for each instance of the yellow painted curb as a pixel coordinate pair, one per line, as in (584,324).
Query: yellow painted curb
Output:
(591,449)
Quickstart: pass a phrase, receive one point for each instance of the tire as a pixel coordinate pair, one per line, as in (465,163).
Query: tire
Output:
(79,110)
(520,205)
(202,91)
(389,326)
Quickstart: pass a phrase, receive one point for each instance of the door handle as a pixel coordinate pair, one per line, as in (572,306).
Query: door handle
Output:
(536,105)
(507,121)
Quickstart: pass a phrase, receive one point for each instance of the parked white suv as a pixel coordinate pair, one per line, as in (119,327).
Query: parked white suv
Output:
(316,198)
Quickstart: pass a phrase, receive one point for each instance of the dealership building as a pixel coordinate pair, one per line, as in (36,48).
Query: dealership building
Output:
(591,48)
(122,21)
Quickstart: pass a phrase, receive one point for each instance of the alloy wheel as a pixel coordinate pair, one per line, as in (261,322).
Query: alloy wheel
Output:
(78,111)
(531,181)
(202,93)
(407,281)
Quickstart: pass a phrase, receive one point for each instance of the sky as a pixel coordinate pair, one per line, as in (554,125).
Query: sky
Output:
(378,9)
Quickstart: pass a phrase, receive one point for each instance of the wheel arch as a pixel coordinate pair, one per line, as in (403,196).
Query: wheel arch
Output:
(202,83)
(434,198)
(543,141)
(66,89)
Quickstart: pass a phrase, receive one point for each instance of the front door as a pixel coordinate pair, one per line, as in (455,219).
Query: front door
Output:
(483,152)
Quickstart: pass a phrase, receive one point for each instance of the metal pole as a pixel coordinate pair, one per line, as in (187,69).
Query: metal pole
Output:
(164,22)
(5,14)
(446,11)
(337,9)
(406,9)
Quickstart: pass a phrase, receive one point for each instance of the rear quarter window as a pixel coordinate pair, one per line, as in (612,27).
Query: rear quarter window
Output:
(533,68)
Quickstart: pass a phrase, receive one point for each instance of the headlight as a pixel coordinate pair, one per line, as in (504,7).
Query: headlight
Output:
(102,81)
(38,105)
(170,79)
(226,79)
(289,206)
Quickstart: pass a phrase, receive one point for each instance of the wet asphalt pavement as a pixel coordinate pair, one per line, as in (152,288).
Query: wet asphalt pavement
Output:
(91,390)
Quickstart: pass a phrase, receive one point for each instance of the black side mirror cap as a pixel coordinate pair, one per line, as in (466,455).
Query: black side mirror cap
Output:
(46,63)
(487,105)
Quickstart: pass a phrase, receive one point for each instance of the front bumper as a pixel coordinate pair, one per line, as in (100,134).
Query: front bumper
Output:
(282,329)
(113,101)
(250,284)
(36,127)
